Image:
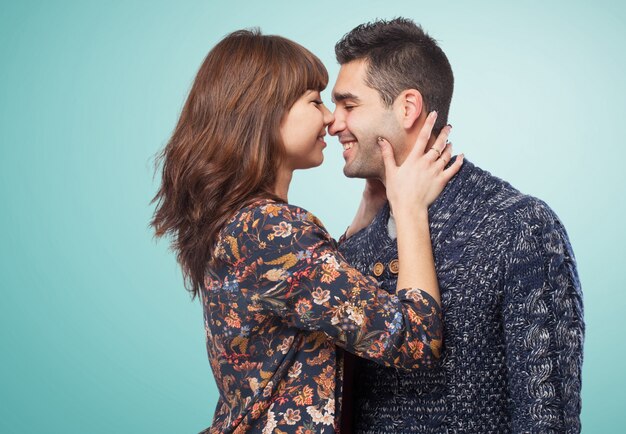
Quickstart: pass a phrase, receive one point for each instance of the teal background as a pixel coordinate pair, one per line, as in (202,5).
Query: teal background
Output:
(97,332)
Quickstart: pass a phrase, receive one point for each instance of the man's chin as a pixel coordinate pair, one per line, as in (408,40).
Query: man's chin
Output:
(349,175)
(350,172)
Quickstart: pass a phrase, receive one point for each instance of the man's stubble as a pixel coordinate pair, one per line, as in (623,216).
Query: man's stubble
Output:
(368,162)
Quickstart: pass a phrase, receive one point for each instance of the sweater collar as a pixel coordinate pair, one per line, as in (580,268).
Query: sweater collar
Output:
(458,194)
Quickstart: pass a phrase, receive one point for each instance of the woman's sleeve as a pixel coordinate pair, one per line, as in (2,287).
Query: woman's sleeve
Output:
(288,264)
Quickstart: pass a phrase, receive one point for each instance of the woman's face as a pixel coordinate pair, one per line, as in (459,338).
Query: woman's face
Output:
(303,130)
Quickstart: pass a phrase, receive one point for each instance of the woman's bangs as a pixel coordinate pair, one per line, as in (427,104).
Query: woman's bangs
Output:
(306,71)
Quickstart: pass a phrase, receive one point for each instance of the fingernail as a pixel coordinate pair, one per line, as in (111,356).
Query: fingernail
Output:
(450,126)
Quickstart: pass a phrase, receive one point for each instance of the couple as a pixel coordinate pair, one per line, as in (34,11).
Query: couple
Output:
(309,335)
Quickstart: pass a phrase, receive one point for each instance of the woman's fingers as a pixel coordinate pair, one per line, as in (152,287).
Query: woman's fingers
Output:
(423,136)
(446,156)
(449,172)
(442,162)
(439,146)
(388,159)
(438,156)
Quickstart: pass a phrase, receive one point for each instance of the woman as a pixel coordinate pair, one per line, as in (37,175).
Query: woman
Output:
(279,300)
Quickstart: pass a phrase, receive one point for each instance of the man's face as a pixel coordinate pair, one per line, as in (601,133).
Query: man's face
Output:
(360,118)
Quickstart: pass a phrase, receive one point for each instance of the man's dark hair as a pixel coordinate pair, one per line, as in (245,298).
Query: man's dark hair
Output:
(400,56)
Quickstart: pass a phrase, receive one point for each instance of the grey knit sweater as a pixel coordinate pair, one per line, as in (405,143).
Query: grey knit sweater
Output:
(513,319)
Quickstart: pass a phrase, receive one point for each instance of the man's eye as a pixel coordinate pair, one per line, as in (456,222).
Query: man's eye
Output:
(318,101)
(348,107)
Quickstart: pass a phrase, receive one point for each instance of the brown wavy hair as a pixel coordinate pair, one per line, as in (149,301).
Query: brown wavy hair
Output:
(226,148)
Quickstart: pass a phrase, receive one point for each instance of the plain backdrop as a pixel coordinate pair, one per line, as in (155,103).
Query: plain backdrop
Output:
(97,332)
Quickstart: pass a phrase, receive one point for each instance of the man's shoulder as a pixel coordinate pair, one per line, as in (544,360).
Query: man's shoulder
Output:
(476,199)
(506,202)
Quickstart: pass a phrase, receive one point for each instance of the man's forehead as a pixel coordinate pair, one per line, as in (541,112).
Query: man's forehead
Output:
(349,84)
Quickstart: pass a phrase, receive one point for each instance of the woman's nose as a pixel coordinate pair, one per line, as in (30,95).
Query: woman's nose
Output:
(329,118)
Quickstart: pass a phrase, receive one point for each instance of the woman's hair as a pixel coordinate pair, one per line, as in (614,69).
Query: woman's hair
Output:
(226,148)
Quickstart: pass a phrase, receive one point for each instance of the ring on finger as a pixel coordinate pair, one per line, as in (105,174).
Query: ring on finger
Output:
(437,151)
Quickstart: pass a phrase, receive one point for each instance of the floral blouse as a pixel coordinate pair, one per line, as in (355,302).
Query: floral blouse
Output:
(282,307)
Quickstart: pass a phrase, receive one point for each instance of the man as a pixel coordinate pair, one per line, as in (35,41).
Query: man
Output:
(511,298)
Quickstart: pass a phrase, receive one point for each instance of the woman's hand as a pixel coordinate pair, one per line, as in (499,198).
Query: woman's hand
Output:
(373,199)
(411,188)
(415,184)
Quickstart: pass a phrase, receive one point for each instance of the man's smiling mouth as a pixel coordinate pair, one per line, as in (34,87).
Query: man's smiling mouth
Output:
(348,145)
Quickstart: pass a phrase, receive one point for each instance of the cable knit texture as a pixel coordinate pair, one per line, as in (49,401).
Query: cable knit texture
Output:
(513,319)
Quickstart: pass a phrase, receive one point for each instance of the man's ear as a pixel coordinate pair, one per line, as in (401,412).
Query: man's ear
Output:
(410,105)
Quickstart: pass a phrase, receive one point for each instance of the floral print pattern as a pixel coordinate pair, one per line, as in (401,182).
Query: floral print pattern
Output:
(280,309)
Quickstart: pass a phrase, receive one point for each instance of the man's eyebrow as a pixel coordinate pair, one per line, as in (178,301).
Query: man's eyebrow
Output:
(338,97)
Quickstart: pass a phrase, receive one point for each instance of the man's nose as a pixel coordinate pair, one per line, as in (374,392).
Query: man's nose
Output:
(337,126)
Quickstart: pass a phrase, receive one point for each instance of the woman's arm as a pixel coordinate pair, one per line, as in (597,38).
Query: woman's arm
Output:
(373,199)
(411,188)
(287,265)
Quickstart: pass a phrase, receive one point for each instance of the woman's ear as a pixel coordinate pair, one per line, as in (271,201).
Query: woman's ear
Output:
(410,105)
